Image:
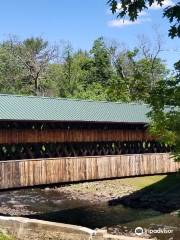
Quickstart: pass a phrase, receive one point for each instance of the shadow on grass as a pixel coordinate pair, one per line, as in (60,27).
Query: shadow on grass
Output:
(163,196)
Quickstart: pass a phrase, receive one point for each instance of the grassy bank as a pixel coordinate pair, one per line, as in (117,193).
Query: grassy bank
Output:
(156,182)
(109,189)
(5,237)
(162,194)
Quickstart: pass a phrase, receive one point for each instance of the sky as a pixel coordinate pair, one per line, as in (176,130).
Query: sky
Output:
(82,21)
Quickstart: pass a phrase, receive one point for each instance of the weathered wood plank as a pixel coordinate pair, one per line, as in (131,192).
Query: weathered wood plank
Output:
(31,172)
(8,136)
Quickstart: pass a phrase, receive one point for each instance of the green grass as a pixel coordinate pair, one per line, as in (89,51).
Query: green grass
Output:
(115,185)
(142,182)
(170,183)
(159,183)
(5,237)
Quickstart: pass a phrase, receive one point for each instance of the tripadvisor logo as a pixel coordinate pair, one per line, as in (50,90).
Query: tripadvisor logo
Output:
(139,231)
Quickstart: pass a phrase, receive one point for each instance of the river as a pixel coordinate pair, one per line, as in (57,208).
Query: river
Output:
(54,206)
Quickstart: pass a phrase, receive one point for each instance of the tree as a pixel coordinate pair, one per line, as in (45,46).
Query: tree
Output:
(94,91)
(101,71)
(117,90)
(33,55)
(165,94)
(72,73)
(9,73)
(134,8)
(165,114)
(134,76)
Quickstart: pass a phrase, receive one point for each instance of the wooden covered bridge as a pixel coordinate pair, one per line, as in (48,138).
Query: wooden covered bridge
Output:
(50,140)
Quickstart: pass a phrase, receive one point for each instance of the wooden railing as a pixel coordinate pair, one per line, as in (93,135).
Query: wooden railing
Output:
(31,172)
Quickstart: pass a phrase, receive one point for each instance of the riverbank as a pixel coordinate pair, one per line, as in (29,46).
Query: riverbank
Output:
(162,195)
(160,192)
(98,204)
(97,191)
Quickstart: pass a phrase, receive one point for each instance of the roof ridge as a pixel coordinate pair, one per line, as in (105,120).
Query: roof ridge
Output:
(73,99)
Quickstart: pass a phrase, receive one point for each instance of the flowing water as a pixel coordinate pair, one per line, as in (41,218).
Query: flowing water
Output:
(56,206)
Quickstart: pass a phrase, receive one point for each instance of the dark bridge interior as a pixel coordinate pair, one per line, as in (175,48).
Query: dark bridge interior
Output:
(28,140)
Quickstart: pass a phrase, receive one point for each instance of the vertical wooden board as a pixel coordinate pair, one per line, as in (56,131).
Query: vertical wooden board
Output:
(161,163)
(102,167)
(49,171)
(42,171)
(136,169)
(70,170)
(118,166)
(143,164)
(149,163)
(53,171)
(139,165)
(8,174)
(92,166)
(30,173)
(16,174)
(26,172)
(172,165)
(64,172)
(84,168)
(60,170)
(121,171)
(63,135)
(1,176)
(150,160)
(58,167)
(38,172)
(88,168)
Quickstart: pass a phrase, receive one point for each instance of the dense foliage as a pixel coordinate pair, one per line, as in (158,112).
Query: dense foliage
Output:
(164,98)
(165,114)
(107,72)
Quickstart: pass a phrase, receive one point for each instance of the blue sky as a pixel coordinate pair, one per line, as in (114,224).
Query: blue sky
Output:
(80,22)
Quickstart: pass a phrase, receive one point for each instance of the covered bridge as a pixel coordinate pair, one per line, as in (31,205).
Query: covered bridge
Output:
(49,140)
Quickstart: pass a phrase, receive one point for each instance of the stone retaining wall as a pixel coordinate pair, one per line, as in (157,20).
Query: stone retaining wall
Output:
(31,229)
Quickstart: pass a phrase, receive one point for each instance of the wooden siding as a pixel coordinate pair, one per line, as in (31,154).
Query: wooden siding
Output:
(48,136)
(21,173)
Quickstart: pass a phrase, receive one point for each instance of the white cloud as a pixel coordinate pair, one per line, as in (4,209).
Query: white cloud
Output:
(143,16)
(154,6)
(122,23)
(143,13)
(166,3)
(125,22)
(119,6)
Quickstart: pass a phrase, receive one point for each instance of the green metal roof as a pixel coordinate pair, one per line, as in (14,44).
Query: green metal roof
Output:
(20,108)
